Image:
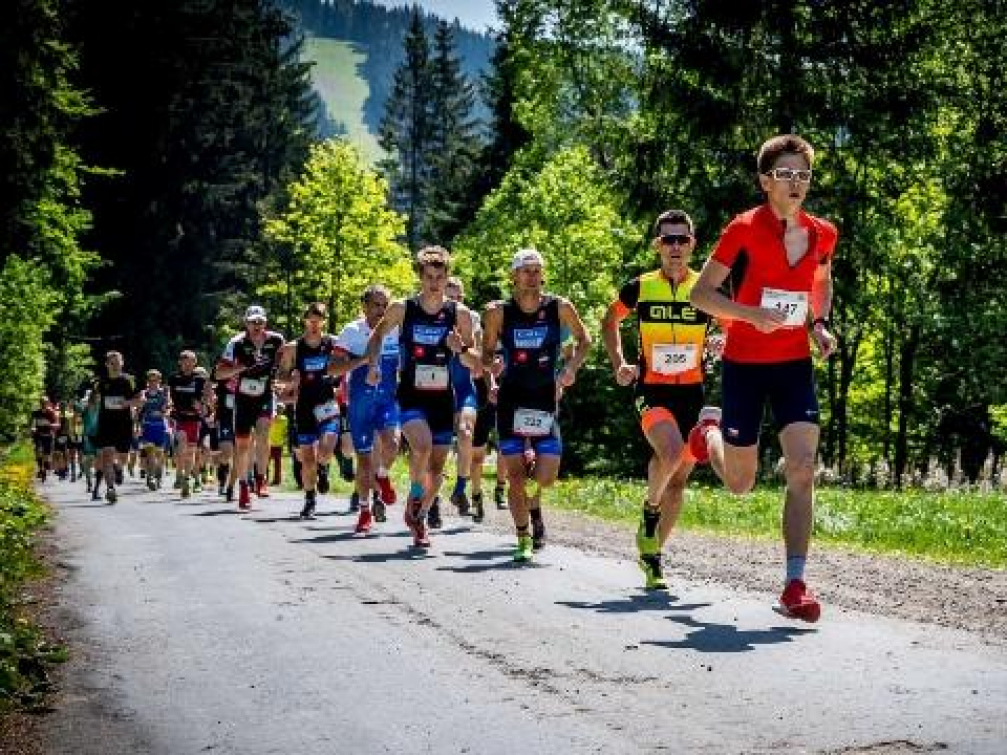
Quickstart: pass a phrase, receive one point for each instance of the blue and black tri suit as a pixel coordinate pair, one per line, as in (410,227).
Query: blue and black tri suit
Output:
(526,404)
(425,390)
(317,412)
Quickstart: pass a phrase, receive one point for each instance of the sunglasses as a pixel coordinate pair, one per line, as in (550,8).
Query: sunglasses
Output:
(675,238)
(790,174)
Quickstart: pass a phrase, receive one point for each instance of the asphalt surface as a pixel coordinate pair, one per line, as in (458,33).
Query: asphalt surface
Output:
(194,629)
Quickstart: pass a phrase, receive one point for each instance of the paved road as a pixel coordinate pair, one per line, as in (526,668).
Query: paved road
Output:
(198,630)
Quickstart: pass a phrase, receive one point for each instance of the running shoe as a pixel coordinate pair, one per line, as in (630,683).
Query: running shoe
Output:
(110,495)
(422,538)
(709,416)
(261,487)
(378,507)
(478,510)
(537,534)
(434,515)
(244,497)
(647,546)
(411,516)
(323,479)
(229,493)
(461,502)
(364,522)
(185,487)
(387,490)
(308,512)
(500,497)
(525,547)
(651,566)
(151,483)
(354,502)
(197,485)
(798,602)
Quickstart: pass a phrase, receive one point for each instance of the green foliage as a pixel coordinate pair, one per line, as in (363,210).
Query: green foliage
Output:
(335,236)
(25,657)
(26,301)
(567,211)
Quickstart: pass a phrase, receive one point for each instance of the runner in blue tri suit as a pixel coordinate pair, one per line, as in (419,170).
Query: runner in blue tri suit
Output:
(306,362)
(373,411)
(153,428)
(432,329)
(529,327)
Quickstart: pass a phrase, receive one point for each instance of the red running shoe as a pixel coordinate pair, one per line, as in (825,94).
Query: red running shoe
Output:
(387,490)
(421,539)
(411,515)
(709,416)
(244,499)
(364,521)
(798,602)
(261,488)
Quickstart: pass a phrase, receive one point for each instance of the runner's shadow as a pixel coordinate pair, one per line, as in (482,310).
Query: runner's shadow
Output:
(724,638)
(406,554)
(95,505)
(657,600)
(219,512)
(335,538)
(501,561)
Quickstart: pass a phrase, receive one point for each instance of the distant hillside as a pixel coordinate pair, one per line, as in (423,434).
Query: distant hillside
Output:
(378,32)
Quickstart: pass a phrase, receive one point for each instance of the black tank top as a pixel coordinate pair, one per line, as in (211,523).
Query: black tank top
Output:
(423,344)
(312,362)
(531,345)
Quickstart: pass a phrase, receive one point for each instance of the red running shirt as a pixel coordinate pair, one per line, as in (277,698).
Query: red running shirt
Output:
(752,246)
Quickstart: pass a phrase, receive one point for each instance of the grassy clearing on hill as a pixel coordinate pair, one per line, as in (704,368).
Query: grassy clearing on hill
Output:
(343,90)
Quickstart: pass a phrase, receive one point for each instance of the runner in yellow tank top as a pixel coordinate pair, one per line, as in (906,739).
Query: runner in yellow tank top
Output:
(668,377)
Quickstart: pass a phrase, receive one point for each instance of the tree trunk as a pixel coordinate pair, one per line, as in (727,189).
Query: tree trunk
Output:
(907,358)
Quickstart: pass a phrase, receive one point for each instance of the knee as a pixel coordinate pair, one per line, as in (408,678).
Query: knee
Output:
(739,484)
(800,472)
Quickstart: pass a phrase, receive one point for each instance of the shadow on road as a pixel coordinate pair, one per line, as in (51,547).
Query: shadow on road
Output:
(648,601)
(724,638)
(491,560)
(406,554)
(219,512)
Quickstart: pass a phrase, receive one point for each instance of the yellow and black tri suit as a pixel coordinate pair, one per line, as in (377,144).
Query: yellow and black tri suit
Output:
(672,336)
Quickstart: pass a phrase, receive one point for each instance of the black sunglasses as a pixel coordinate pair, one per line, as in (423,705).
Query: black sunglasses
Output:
(675,238)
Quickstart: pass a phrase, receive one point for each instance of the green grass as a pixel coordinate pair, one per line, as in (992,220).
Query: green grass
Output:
(343,90)
(959,528)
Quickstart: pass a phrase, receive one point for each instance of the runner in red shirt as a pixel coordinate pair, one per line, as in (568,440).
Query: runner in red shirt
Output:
(777,261)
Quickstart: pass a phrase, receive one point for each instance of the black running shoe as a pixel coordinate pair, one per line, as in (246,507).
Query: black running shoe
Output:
(478,510)
(537,534)
(323,479)
(500,497)
(434,515)
(378,507)
(461,502)
(354,501)
(308,512)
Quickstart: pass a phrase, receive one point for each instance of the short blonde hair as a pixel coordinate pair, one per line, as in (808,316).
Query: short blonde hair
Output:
(432,256)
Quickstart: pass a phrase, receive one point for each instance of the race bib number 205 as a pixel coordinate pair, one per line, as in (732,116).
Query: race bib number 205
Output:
(674,358)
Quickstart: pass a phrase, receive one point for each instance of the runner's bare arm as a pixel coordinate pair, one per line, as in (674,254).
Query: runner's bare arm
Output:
(612,338)
(392,319)
(470,354)
(343,361)
(706,296)
(569,316)
(492,324)
(821,306)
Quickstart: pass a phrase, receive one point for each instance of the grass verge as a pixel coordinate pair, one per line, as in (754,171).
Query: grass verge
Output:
(25,657)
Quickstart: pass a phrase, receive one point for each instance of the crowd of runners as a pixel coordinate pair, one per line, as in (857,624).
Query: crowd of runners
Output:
(418,376)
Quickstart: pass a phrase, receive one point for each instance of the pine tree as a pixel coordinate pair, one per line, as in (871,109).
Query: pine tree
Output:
(455,143)
(406,132)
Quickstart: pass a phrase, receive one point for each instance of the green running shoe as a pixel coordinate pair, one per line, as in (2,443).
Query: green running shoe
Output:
(522,553)
(647,546)
(651,566)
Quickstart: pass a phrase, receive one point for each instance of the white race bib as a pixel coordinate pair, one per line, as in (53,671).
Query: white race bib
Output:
(252,386)
(431,377)
(229,401)
(532,423)
(794,304)
(674,358)
(115,403)
(325,412)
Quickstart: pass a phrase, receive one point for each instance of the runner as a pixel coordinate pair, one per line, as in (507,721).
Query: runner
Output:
(668,377)
(43,434)
(61,447)
(153,428)
(779,259)
(431,330)
(76,439)
(89,407)
(528,327)
(186,390)
(306,362)
(467,403)
(223,411)
(118,395)
(373,414)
